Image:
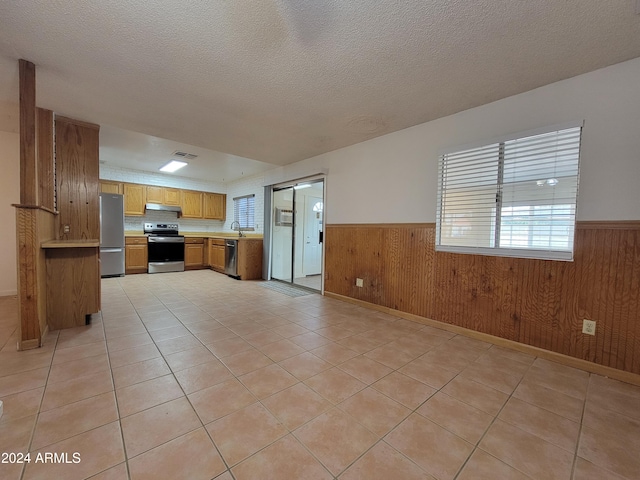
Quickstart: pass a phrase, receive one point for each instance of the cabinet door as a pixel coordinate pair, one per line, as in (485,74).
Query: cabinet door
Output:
(191,204)
(171,196)
(218,258)
(77,180)
(193,254)
(215,206)
(135,258)
(111,187)
(250,259)
(134,199)
(155,194)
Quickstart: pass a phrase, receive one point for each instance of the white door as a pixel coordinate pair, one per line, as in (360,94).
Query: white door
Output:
(312,247)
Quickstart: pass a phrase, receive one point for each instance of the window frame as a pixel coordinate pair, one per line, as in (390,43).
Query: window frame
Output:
(496,224)
(251,215)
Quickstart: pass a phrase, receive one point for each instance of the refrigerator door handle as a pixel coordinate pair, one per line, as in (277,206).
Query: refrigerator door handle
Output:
(111,250)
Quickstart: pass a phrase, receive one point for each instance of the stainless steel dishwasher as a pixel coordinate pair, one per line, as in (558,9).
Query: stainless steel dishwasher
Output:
(231,257)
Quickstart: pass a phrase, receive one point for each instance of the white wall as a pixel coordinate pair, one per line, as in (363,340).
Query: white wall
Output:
(246,186)
(9,193)
(394,178)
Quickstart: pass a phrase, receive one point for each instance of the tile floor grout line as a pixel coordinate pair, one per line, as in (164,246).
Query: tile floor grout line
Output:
(202,425)
(577,448)
(35,423)
(115,395)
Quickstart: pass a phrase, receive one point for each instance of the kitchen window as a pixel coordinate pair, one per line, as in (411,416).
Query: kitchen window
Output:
(513,197)
(244,212)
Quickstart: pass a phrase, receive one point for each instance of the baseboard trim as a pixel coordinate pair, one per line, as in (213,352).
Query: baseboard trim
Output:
(586,365)
(8,293)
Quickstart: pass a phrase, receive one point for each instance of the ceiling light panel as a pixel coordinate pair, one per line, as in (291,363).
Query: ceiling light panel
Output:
(172,166)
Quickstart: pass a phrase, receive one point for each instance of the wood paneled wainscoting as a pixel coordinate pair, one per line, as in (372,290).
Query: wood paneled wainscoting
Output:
(534,302)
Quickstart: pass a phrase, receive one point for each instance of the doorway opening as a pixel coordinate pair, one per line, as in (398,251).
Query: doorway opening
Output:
(297,230)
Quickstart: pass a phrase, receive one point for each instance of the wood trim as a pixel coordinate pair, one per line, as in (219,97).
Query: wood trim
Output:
(35,207)
(381,225)
(28,172)
(44,120)
(80,123)
(614,373)
(609,225)
(591,224)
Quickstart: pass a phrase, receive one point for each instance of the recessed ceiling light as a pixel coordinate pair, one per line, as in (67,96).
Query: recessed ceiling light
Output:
(172,166)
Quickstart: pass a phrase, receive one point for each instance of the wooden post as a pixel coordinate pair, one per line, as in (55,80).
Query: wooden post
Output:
(28,172)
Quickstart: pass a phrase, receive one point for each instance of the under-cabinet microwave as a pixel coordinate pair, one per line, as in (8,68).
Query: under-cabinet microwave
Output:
(284,216)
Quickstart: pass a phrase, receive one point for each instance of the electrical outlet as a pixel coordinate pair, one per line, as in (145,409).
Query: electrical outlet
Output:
(589,327)
(359,282)
(66,229)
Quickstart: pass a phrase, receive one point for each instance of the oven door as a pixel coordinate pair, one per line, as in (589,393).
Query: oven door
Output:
(166,254)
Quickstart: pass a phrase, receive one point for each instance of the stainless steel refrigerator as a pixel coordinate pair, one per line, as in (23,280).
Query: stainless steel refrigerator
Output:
(111,235)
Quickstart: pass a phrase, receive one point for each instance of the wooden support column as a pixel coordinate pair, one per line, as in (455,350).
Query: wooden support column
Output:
(28,171)
(35,214)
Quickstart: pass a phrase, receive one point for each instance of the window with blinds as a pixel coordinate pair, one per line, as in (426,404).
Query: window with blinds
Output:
(244,211)
(516,197)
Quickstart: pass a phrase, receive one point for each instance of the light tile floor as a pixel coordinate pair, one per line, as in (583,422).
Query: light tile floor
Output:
(197,376)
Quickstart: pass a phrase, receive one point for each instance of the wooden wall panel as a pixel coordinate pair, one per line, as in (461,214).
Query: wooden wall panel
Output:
(536,302)
(44,119)
(77,179)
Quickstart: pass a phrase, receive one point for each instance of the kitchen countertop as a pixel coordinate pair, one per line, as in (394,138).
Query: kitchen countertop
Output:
(252,236)
(70,243)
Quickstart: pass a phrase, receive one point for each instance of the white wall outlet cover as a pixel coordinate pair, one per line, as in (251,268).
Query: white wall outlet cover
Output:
(589,327)
(1,409)
(359,282)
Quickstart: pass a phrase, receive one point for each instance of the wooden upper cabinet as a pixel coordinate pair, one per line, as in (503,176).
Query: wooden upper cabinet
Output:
(111,187)
(215,206)
(191,204)
(134,199)
(155,194)
(171,196)
(77,169)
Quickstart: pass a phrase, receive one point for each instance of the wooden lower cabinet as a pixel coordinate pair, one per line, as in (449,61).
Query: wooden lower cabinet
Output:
(216,254)
(72,273)
(135,255)
(250,259)
(193,253)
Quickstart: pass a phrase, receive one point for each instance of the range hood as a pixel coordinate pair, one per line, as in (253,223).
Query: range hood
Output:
(163,208)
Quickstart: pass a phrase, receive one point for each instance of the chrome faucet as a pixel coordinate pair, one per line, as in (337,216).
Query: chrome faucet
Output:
(239,228)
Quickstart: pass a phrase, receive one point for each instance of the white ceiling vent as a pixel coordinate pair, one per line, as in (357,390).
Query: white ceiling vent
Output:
(185,155)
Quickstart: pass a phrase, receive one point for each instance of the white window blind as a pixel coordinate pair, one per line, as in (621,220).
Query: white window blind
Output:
(244,211)
(515,197)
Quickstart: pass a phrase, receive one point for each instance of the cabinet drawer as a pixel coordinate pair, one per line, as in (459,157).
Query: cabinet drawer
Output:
(193,240)
(217,241)
(135,240)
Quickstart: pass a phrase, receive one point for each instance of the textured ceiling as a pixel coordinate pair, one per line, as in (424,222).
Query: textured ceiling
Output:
(283,80)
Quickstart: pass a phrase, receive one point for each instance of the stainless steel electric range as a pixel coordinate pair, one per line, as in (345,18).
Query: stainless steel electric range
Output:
(165,247)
